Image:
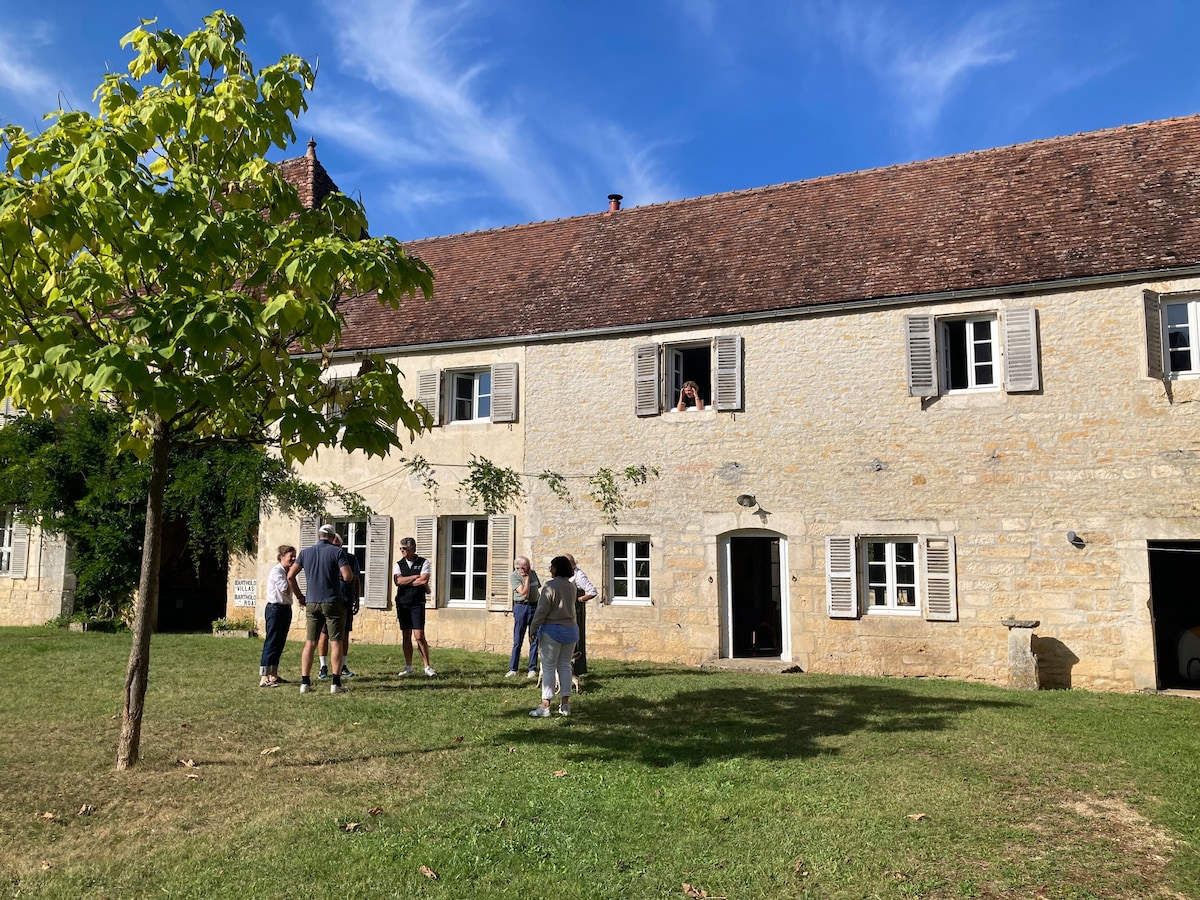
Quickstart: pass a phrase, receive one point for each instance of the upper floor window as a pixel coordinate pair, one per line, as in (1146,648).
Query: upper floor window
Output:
(661,370)
(469,395)
(891,575)
(628,570)
(969,353)
(1172,335)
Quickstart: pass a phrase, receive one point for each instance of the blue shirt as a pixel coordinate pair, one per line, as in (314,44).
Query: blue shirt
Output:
(321,564)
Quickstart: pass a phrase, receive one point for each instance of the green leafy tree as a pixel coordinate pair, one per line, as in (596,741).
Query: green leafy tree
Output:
(153,262)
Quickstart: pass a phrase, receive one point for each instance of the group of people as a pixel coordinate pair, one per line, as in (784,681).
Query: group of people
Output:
(552,616)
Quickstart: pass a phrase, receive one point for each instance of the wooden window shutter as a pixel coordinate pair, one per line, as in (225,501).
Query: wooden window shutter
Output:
(841,576)
(1019,328)
(1152,309)
(504,392)
(500,561)
(379,562)
(647,377)
(308,537)
(728,394)
(18,566)
(937,564)
(920,350)
(425,528)
(429,392)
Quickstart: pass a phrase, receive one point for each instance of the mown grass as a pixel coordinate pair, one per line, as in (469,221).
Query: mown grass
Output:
(740,785)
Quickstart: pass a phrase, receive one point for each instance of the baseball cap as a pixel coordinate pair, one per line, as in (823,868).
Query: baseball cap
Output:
(327,531)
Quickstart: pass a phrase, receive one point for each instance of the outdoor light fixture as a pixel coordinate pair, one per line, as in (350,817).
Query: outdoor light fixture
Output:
(1075,540)
(746,500)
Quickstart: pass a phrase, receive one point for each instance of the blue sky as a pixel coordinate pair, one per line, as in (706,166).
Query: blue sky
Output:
(454,116)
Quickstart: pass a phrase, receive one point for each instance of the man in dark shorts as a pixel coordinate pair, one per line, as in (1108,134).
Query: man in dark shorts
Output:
(326,566)
(412,583)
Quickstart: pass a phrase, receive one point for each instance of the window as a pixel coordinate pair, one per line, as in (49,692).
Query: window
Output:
(628,570)
(6,541)
(467,552)
(14,545)
(370,542)
(661,369)
(469,395)
(971,353)
(8,411)
(353,533)
(1172,335)
(903,576)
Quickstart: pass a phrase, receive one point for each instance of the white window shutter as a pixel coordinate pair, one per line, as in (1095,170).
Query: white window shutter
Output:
(425,534)
(379,562)
(728,394)
(920,349)
(1152,309)
(940,584)
(500,561)
(504,392)
(19,561)
(841,576)
(1019,328)
(647,378)
(429,392)
(308,537)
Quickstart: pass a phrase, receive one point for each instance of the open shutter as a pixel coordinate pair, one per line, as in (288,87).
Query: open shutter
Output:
(504,392)
(941,594)
(647,378)
(426,538)
(728,394)
(18,566)
(308,537)
(841,577)
(500,561)
(920,348)
(1019,327)
(379,562)
(429,392)
(1152,309)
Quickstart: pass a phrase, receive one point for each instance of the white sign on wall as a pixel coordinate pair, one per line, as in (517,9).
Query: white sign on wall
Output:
(245,591)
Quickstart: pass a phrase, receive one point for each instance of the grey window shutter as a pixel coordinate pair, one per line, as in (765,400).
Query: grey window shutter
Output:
(19,561)
(379,562)
(937,563)
(504,392)
(647,377)
(429,392)
(920,349)
(728,394)
(841,576)
(425,528)
(500,561)
(1019,327)
(308,537)
(1152,309)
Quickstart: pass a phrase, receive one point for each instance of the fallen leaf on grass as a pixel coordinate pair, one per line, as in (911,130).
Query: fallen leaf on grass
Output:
(45,865)
(269,751)
(800,869)
(85,810)
(377,811)
(351,826)
(916,817)
(512,749)
(190,763)
(458,740)
(192,775)
(561,773)
(694,892)
(46,815)
(428,872)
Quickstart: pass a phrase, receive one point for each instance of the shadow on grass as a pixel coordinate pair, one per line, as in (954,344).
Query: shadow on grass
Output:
(693,727)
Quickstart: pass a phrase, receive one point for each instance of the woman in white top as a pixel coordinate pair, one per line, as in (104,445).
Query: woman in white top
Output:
(278,615)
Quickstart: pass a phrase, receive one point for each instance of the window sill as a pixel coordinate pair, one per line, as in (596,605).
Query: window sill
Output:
(690,409)
(465,604)
(623,602)
(888,611)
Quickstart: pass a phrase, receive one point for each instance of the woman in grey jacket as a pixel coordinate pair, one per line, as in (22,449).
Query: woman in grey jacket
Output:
(554,625)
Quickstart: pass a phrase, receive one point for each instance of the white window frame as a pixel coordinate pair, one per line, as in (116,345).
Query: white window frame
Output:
(657,378)
(970,350)
(893,581)
(375,534)
(474,380)
(1015,350)
(7,523)
(630,558)
(470,573)
(436,392)
(356,542)
(1160,351)
(847,578)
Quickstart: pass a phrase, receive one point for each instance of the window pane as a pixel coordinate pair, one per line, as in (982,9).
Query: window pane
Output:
(621,568)
(642,589)
(479,587)
(643,569)
(956,355)
(458,531)
(620,588)
(878,595)
(458,586)
(906,597)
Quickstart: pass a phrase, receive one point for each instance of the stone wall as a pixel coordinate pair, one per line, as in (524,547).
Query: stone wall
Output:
(47,591)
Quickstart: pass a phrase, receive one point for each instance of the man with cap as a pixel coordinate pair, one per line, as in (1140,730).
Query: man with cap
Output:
(326,566)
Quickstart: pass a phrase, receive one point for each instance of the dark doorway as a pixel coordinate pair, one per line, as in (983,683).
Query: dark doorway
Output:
(754,595)
(1175,608)
(190,597)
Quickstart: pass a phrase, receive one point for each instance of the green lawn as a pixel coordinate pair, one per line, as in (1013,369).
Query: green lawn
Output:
(737,785)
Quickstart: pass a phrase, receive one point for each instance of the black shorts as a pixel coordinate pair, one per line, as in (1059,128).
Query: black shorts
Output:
(412,618)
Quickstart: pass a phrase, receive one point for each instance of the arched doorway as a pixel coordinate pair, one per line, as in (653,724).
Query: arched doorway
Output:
(754,614)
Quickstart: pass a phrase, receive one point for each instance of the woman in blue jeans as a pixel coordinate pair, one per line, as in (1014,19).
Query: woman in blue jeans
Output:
(278,615)
(554,625)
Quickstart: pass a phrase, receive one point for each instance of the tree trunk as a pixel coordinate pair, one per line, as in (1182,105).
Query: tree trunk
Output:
(138,672)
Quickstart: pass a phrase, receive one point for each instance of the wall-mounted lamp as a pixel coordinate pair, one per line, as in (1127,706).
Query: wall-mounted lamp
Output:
(1075,540)
(746,500)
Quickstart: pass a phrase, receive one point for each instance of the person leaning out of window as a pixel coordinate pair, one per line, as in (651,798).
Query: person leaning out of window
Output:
(689,396)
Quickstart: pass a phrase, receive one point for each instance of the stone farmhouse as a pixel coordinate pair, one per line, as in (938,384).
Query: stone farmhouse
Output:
(949,426)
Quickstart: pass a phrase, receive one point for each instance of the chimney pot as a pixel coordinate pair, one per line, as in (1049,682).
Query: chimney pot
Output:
(311,153)
(614,202)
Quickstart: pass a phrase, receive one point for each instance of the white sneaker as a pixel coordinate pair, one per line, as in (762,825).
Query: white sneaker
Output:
(407,670)
(337,689)
(510,673)
(531,675)
(429,671)
(564,710)
(305,688)
(540,712)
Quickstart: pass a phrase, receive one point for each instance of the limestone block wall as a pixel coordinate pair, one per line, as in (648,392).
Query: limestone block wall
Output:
(47,591)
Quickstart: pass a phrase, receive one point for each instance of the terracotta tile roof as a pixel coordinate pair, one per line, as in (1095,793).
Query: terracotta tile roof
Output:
(1104,203)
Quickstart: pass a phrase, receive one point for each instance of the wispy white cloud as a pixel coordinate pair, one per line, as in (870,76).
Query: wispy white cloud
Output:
(364,127)
(32,85)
